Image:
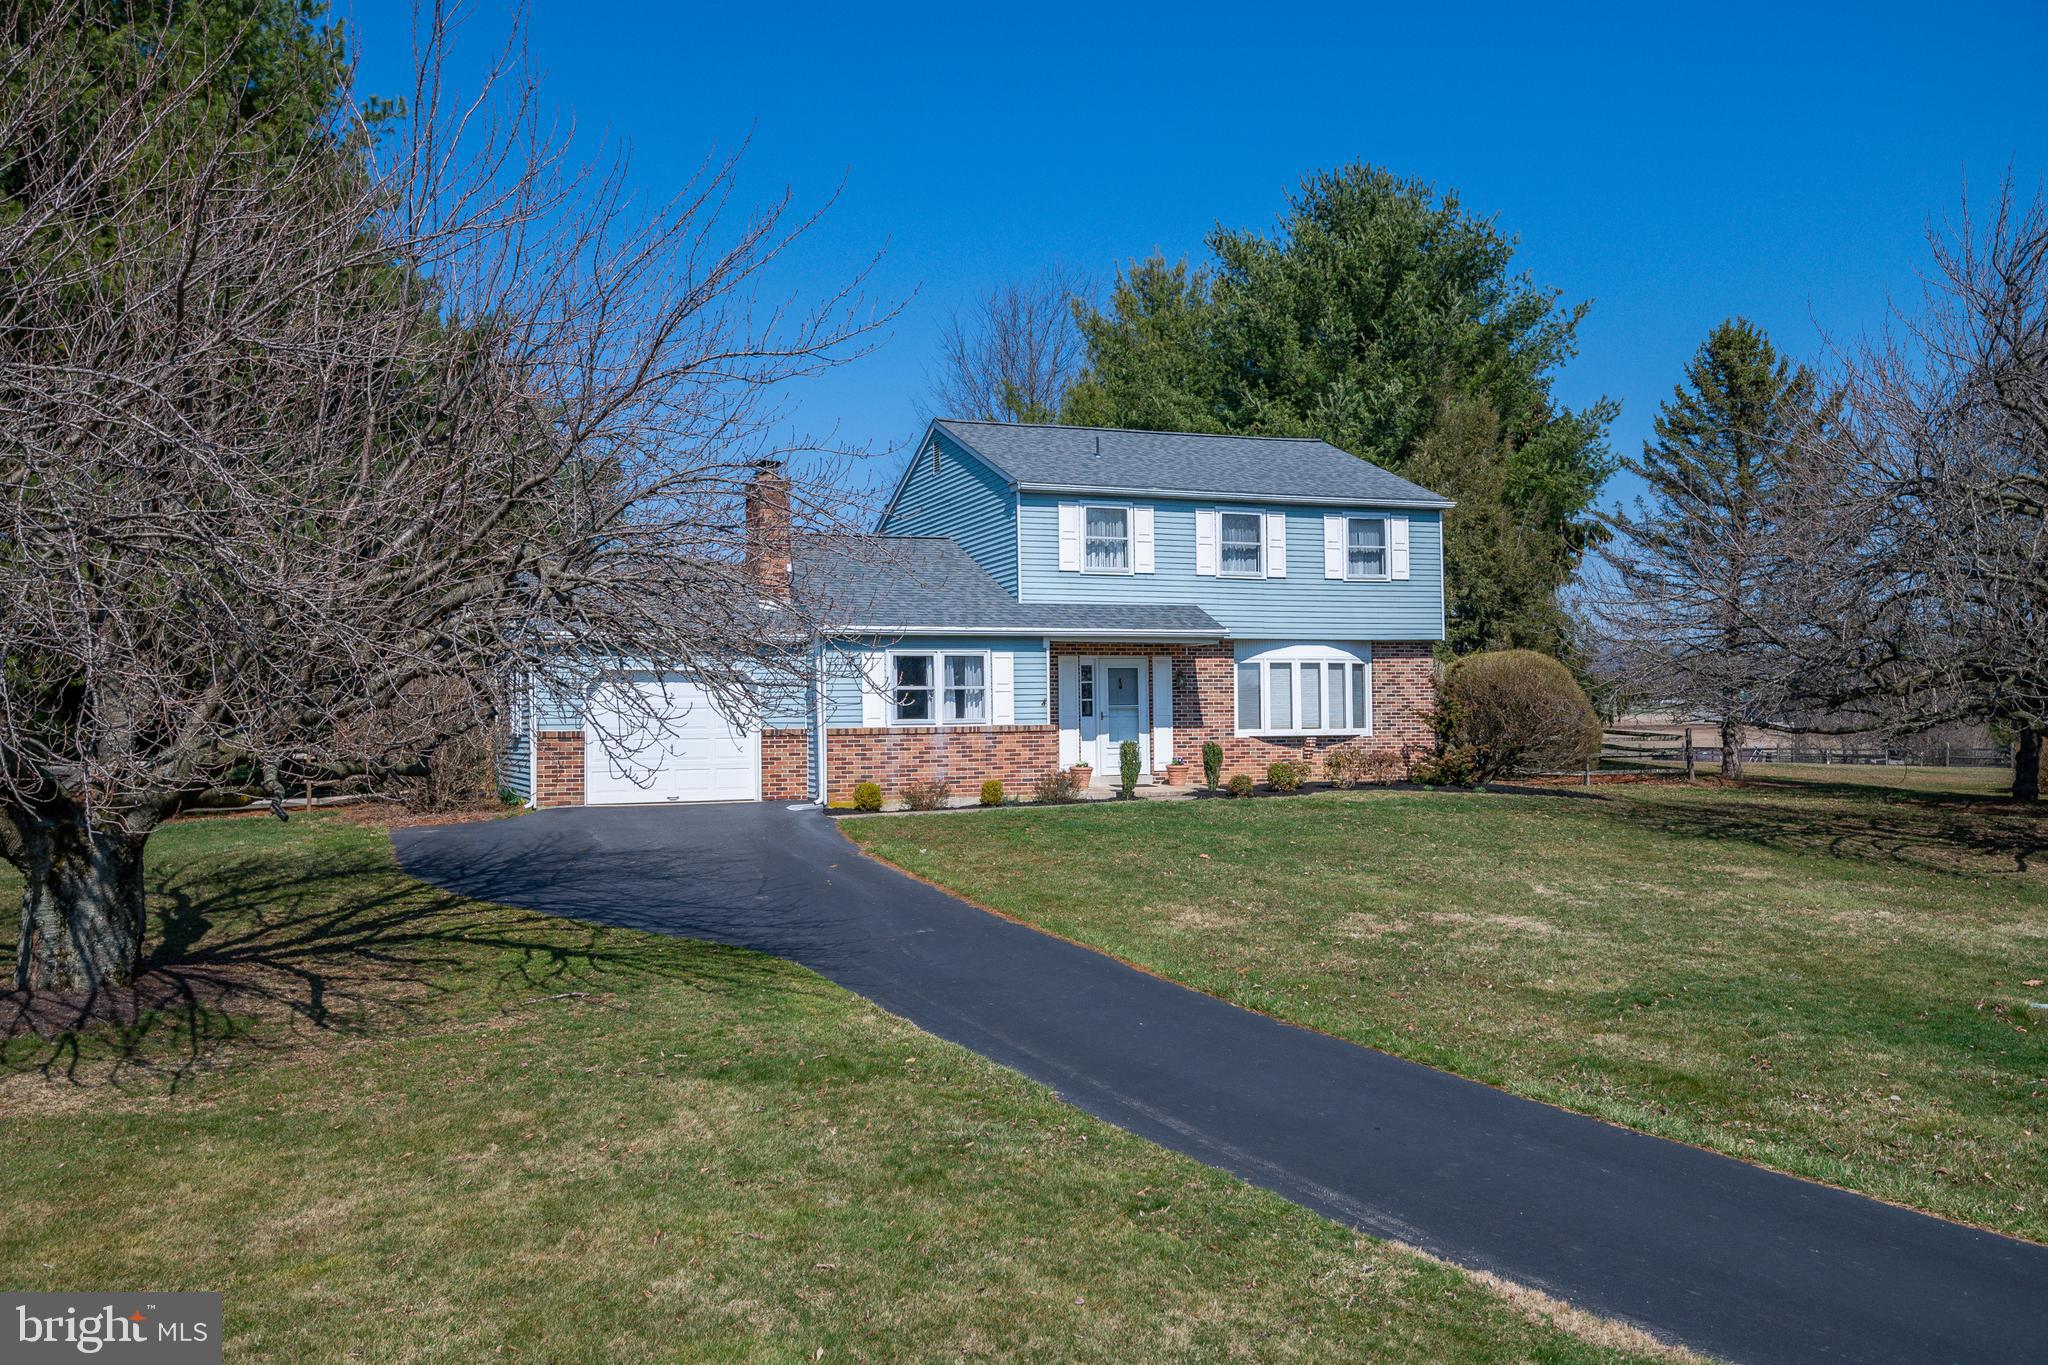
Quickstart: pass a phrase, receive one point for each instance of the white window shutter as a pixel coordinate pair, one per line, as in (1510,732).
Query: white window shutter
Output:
(1070,537)
(1205,542)
(874,686)
(1276,545)
(1141,540)
(1070,711)
(1162,711)
(1333,546)
(1002,686)
(1397,547)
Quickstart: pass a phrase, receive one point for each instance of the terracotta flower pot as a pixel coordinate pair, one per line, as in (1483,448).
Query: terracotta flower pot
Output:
(1177,775)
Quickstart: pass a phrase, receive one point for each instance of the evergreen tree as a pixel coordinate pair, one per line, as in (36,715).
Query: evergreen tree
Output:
(1695,560)
(1379,312)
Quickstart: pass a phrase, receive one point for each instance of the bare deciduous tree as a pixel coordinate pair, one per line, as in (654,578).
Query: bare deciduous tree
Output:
(1013,355)
(295,424)
(1918,593)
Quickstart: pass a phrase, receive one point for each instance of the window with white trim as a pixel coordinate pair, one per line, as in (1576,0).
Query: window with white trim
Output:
(1365,547)
(1304,690)
(951,686)
(1105,539)
(1088,690)
(1241,542)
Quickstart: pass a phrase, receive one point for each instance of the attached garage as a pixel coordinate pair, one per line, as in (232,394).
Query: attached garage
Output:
(690,752)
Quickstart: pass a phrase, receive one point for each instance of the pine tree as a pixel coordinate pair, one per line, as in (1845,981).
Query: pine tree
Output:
(1385,317)
(1694,560)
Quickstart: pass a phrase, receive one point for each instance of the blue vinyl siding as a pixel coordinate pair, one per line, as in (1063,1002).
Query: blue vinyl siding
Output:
(842,679)
(1303,606)
(515,760)
(965,500)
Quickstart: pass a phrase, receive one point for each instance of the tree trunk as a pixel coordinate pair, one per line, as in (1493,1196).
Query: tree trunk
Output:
(81,907)
(1731,748)
(2026,765)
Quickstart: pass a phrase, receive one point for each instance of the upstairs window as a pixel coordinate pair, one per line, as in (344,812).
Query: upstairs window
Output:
(1366,548)
(1106,540)
(1242,539)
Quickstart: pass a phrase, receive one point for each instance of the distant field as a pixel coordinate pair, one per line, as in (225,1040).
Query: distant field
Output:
(1904,777)
(1827,976)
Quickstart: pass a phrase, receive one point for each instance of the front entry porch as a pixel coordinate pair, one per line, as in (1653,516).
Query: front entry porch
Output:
(1109,699)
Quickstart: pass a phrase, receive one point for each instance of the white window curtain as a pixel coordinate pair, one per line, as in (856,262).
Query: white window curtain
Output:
(1243,544)
(1107,541)
(939,688)
(1368,548)
(966,689)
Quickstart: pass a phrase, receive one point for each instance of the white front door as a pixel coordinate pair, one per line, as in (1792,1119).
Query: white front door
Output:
(1123,705)
(661,739)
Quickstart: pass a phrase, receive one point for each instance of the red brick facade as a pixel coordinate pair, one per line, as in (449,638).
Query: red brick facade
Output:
(964,756)
(1204,708)
(558,767)
(785,765)
(1205,699)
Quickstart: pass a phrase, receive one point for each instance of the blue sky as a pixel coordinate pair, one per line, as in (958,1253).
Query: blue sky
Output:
(1674,166)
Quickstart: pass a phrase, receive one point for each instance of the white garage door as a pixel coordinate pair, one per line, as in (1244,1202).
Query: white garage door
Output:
(693,754)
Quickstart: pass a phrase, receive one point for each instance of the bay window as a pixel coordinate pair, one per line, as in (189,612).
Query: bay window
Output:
(1304,690)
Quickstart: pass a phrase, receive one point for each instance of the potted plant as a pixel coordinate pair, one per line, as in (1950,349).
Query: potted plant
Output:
(1177,774)
(1084,774)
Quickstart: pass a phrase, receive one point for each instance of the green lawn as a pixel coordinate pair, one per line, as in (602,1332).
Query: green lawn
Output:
(1826,977)
(394,1126)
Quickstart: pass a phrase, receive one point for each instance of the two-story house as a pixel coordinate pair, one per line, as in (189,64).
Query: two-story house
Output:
(1037,595)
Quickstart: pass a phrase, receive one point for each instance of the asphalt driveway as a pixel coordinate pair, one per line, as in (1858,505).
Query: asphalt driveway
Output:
(1722,1256)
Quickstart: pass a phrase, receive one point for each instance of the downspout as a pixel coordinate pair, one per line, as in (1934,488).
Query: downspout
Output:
(532,747)
(819,722)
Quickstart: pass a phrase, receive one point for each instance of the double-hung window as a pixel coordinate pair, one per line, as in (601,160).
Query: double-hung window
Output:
(1241,538)
(1106,539)
(1304,689)
(1365,547)
(938,688)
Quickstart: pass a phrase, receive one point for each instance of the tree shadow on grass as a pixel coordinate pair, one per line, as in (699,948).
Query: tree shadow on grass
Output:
(1936,831)
(273,949)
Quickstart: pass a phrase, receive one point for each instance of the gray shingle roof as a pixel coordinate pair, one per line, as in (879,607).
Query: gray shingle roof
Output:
(888,583)
(1110,459)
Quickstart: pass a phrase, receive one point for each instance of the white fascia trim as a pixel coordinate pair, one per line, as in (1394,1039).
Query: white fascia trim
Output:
(1184,495)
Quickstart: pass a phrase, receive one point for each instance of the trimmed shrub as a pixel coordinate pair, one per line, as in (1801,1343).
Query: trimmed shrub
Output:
(1381,765)
(1456,766)
(1056,786)
(1343,768)
(1515,710)
(867,796)
(991,793)
(1284,777)
(1212,764)
(1127,765)
(1241,785)
(925,795)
